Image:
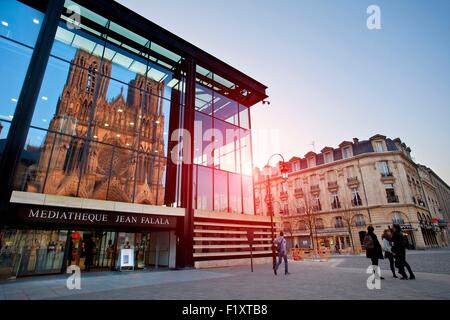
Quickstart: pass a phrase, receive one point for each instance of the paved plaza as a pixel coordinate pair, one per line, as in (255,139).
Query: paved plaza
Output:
(341,277)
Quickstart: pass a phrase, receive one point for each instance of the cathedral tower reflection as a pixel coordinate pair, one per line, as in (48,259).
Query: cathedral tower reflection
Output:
(108,149)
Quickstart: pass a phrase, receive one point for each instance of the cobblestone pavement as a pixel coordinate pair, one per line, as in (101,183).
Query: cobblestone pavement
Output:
(342,277)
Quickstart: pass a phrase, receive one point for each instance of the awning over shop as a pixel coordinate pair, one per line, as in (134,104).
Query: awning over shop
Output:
(407,227)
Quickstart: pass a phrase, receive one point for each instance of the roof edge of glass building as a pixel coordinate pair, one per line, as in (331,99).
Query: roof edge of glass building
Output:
(123,15)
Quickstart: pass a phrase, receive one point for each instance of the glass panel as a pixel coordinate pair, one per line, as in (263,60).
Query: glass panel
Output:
(204,188)
(226,147)
(86,34)
(164,52)
(225,109)
(28,252)
(177,89)
(204,72)
(244,119)
(4,128)
(27,176)
(194,186)
(14,60)
(50,163)
(121,172)
(132,69)
(203,99)
(220,191)
(246,152)
(247,193)
(162,129)
(150,179)
(203,145)
(20,22)
(123,65)
(59,98)
(68,41)
(234,189)
(128,34)
(224,82)
(85,14)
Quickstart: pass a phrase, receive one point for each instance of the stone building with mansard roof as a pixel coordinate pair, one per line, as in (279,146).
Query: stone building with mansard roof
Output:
(329,198)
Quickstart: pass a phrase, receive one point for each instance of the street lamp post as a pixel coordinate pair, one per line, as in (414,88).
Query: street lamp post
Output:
(284,172)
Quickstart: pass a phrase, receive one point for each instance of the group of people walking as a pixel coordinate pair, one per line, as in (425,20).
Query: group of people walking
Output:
(394,248)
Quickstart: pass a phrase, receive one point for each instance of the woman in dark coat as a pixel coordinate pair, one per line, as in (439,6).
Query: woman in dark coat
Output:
(90,251)
(373,247)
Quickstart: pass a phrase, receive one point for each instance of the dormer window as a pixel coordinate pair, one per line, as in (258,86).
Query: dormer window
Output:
(328,157)
(296,166)
(311,162)
(378,146)
(346,152)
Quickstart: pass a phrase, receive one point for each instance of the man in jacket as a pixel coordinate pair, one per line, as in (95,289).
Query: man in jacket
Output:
(399,251)
(280,243)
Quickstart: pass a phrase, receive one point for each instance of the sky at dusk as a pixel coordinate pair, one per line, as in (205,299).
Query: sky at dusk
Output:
(330,78)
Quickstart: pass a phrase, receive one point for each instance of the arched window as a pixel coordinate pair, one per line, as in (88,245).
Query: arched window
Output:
(397,218)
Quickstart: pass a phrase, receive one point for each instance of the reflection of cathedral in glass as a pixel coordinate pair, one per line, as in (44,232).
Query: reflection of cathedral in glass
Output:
(109,167)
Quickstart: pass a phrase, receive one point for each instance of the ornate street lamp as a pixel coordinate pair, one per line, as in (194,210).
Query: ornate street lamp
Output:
(284,174)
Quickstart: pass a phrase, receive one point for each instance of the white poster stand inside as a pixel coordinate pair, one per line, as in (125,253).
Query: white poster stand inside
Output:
(126,259)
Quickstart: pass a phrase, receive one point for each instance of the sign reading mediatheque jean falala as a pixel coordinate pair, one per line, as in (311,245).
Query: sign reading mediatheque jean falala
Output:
(70,216)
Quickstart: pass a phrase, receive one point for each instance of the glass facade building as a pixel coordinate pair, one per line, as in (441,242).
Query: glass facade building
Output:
(105,113)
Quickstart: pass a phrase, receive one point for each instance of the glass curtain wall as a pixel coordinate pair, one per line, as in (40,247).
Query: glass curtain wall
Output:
(19,29)
(222,156)
(100,127)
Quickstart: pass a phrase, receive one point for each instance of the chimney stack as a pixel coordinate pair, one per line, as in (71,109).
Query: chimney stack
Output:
(355,140)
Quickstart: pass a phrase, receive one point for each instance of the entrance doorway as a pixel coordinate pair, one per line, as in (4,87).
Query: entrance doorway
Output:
(150,249)
(96,248)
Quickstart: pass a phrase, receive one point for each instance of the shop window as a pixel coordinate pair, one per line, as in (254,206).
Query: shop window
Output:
(27,252)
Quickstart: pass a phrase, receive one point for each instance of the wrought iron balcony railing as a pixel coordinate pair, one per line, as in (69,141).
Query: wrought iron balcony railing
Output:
(392,199)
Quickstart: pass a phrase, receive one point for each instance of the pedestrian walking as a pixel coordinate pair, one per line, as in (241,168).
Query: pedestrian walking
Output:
(90,252)
(399,251)
(336,249)
(280,243)
(373,248)
(387,248)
